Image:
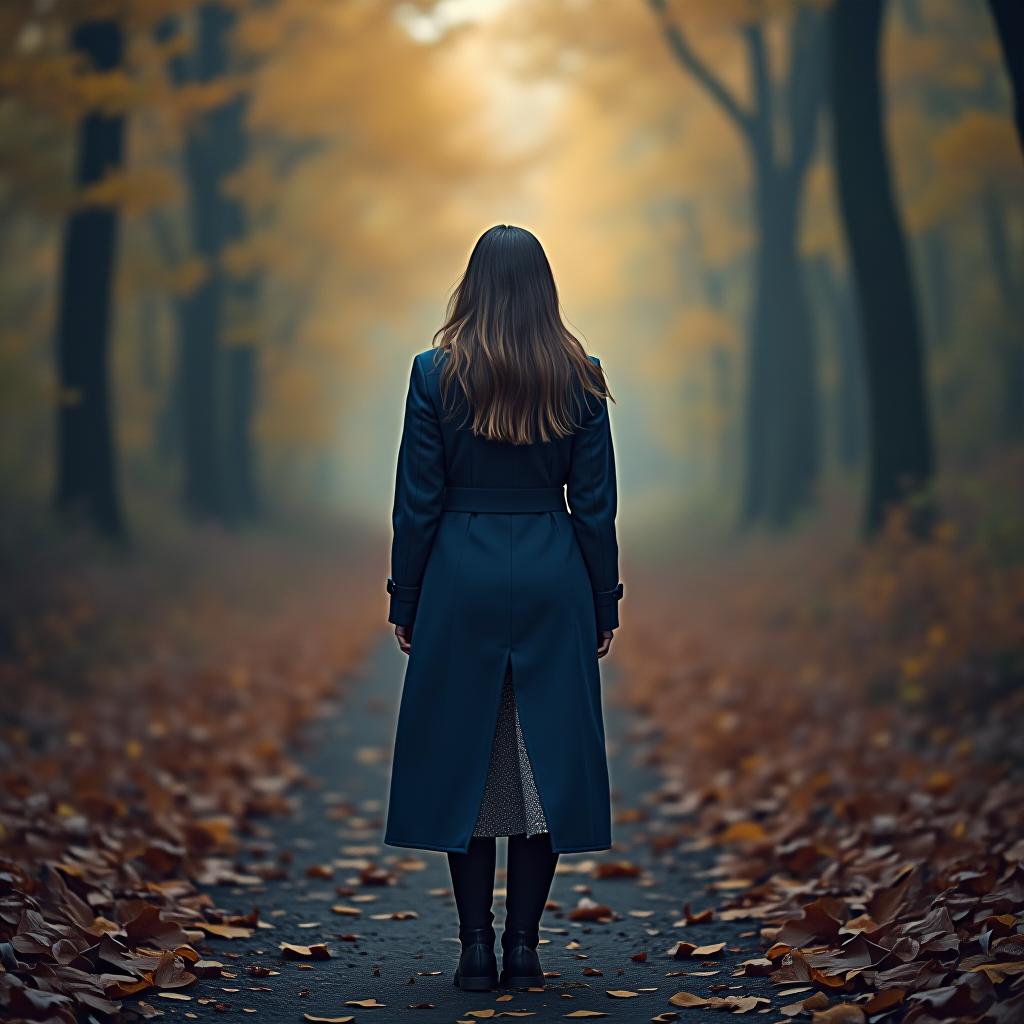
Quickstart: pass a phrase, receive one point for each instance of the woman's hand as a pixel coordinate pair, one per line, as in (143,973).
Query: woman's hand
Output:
(604,642)
(404,634)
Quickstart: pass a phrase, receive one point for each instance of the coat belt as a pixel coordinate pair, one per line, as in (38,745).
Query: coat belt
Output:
(504,499)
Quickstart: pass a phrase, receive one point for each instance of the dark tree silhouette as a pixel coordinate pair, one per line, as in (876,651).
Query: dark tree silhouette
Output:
(217,383)
(1009,18)
(899,434)
(781,410)
(240,466)
(86,457)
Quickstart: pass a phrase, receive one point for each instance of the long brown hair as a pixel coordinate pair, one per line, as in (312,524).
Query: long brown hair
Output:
(520,369)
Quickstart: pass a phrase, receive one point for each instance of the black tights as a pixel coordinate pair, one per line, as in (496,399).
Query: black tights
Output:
(531,867)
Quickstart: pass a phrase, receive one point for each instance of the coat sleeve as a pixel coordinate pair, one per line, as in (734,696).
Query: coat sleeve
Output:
(419,495)
(592,498)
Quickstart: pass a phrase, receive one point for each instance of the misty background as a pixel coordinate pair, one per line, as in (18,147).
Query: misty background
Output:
(299,185)
(792,231)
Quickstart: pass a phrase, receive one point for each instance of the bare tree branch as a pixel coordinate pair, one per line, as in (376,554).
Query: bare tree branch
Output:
(686,56)
(763,119)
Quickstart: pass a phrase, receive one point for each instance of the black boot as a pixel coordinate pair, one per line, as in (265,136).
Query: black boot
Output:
(473,886)
(478,967)
(531,868)
(520,965)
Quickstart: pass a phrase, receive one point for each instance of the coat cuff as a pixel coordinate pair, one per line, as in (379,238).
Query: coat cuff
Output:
(606,605)
(403,603)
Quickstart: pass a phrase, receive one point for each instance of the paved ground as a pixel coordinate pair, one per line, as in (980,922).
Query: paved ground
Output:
(406,964)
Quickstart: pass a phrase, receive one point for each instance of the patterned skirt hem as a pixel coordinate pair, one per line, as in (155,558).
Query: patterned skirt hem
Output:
(511,804)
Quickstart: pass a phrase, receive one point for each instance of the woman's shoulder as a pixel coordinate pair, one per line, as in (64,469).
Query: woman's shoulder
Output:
(430,360)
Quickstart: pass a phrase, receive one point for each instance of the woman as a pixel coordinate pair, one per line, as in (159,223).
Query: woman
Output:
(504,600)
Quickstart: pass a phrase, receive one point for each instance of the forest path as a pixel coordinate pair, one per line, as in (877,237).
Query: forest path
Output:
(407,964)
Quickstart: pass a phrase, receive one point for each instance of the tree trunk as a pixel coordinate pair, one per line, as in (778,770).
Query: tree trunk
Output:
(781,407)
(900,438)
(781,420)
(201,386)
(243,490)
(86,459)
(1009,19)
(217,382)
(240,466)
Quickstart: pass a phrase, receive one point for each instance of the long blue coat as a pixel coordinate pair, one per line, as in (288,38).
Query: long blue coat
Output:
(488,565)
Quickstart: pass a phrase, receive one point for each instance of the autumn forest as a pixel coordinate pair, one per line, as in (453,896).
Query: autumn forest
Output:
(793,230)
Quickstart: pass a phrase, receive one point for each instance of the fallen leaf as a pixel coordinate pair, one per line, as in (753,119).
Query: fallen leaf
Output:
(318,951)
(708,950)
(741,1004)
(681,950)
(588,910)
(999,972)
(841,1013)
(884,1000)
(225,931)
(616,869)
(743,832)
(759,967)
(701,917)
(687,999)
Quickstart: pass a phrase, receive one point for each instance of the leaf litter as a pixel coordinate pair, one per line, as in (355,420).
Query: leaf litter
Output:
(846,741)
(126,781)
